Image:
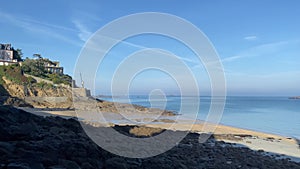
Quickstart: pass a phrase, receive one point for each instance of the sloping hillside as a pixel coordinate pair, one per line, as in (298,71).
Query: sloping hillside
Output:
(14,84)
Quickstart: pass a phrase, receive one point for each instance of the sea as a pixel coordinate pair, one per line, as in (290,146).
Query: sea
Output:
(274,115)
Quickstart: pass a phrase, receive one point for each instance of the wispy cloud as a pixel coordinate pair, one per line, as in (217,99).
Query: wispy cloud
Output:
(80,14)
(35,26)
(86,23)
(84,33)
(48,25)
(260,50)
(232,58)
(250,38)
(129,44)
(194,61)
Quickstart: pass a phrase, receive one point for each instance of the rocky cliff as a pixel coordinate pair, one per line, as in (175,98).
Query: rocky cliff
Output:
(41,95)
(46,90)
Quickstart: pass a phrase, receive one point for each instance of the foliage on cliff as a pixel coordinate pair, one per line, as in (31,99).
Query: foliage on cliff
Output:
(17,54)
(14,74)
(36,68)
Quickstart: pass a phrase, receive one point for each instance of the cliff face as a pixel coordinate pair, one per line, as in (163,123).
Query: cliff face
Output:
(36,95)
(22,91)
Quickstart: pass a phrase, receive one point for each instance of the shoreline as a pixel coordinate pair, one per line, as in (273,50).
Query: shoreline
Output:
(272,144)
(69,113)
(32,141)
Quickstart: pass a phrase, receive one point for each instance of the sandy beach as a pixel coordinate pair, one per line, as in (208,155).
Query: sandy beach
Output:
(55,139)
(273,145)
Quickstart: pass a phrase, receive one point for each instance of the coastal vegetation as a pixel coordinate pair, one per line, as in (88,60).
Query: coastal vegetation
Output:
(35,67)
(28,78)
(14,74)
(17,54)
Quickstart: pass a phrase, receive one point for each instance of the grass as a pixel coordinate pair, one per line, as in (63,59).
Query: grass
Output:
(14,74)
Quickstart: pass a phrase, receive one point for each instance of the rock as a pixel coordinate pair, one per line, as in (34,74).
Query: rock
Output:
(57,167)
(260,151)
(116,162)
(7,146)
(69,164)
(294,97)
(37,165)
(15,101)
(145,131)
(87,166)
(18,166)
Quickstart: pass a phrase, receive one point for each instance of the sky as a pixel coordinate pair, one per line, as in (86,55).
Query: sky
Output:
(257,41)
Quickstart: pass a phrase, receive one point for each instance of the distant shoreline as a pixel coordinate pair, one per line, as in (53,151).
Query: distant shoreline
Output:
(294,97)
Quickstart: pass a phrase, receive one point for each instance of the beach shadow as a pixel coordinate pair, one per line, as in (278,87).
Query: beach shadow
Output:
(298,142)
(46,112)
(54,109)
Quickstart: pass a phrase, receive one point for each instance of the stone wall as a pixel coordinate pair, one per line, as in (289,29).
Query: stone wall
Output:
(81,92)
(54,100)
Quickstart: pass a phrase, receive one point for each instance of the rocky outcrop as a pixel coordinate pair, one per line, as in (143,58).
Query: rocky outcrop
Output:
(49,96)
(14,101)
(106,106)
(294,97)
(30,141)
(21,91)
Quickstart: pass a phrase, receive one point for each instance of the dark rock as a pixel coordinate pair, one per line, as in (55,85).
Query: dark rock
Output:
(7,146)
(69,164)
(18,166)
(57,167)
(87,166)
(260,151)
(116,162)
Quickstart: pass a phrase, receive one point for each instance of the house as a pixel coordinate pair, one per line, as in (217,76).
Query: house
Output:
(7,55)
(53,67)
(7,58)
(50,66)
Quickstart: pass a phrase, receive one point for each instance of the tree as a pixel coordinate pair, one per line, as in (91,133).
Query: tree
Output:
(34,67)
(38,56)
(17,54)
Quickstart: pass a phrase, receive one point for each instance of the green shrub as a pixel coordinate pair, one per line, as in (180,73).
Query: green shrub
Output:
(31,80)
(60,79)
(13,73)
(35,67)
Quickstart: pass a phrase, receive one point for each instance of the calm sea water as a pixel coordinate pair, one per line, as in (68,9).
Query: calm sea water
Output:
(277,115)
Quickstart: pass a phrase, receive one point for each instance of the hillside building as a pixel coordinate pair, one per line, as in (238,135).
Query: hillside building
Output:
(53,67)
(7,55)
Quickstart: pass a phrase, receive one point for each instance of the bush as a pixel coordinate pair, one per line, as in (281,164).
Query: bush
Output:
(60,79)
(13,73)
(44,85)
(36,67)
(31,80)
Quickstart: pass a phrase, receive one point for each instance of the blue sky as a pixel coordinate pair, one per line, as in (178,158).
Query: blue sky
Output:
(257,41)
